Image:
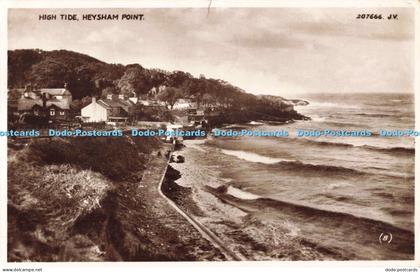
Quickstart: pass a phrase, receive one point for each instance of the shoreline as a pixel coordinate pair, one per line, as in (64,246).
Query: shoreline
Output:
(237,227)
(171,191)
(264,229)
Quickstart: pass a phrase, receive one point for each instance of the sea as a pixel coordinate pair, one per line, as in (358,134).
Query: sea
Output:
(311,198)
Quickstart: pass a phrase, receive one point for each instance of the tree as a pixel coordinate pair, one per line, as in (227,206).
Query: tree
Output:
(208,99)
(20,61)
(178,78)
(50,74)
(170,95)
(108,90)
(135,79)
(196,88)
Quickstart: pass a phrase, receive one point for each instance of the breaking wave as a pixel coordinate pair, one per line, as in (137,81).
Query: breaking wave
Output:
(398,150)
(306,212)
(317,169)
(309,168)
(251,157)
(333,105)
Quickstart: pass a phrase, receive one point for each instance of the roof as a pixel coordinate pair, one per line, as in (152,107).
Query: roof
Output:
(55,91)
(50,91)
(62,104)
(16,90)
(103,104)
(118,118)
(110,104)
(113,103)
(28,103)
(117,103)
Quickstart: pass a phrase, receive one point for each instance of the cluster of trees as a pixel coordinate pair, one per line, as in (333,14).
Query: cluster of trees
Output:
(87,76)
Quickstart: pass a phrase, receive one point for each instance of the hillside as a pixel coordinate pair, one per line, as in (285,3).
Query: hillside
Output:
(92,200)
(87,76)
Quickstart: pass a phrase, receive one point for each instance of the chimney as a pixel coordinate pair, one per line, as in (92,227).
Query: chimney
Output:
(44,101)
(93,99)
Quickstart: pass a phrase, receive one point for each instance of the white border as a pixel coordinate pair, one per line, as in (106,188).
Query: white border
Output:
(3,140)
(203,3)
(182,266)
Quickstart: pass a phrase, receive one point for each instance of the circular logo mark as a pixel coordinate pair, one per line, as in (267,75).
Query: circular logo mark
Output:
(385,237)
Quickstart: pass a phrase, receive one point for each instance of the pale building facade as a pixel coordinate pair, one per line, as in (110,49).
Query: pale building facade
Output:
(95,112)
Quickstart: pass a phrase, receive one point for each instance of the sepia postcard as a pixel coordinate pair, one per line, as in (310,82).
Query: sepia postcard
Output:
(209,132)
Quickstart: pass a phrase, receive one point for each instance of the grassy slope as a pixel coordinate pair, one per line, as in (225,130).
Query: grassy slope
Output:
(55,186)
(85,200)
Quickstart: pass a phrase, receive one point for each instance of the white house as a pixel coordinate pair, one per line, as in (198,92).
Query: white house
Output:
(112,109)
(183,104)
(95,112)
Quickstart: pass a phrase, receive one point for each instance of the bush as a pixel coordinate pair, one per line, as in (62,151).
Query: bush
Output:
(117,158)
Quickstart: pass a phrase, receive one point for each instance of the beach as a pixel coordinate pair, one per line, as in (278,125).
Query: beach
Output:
(308,198)
(239,227)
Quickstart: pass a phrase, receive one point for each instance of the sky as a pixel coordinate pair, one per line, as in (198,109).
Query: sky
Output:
(279,51)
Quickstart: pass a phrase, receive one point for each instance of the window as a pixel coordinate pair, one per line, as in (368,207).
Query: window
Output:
(52,112)
(61,112)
